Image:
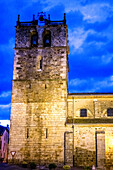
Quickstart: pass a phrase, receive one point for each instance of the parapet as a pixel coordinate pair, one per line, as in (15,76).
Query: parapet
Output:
(41,20)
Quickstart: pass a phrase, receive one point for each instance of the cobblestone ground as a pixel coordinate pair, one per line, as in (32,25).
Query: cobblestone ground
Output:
(4,166)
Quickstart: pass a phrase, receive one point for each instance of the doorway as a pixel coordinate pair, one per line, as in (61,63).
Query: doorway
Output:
(68,148)
(100,148)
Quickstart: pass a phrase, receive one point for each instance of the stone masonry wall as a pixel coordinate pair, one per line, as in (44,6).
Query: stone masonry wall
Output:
(42,111)
(58,36)
(39,97)
(85,134)
(85,151)
(96,106)
(54,64)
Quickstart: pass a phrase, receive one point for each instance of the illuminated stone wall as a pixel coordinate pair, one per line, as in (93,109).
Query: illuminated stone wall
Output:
(96,105)
(93,135)
(39,97)
(43,114)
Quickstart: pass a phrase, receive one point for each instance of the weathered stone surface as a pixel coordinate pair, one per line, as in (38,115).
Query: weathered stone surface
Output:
(39,97)
(43,114)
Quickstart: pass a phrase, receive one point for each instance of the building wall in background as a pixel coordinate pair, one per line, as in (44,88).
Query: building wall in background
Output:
(4,140)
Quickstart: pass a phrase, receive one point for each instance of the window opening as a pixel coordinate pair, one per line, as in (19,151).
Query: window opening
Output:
(27,132)
(110,112)
(46,133)
(83,112)
(47,39)
(29,86)
(34,40)
(45,86)
(41,63)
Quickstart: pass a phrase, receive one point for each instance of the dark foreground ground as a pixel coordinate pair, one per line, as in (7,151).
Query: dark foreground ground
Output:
(4,166)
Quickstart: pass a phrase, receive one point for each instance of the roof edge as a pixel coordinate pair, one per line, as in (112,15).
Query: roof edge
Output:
(89,94)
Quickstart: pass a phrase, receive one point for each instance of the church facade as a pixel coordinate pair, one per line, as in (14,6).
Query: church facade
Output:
(48,124)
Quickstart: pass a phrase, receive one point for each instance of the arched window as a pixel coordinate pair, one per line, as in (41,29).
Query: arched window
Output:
(47,39)
(34,40)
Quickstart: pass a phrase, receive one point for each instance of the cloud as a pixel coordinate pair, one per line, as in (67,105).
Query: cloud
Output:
(7,57)
(94,36)
(107,58)
(5,97)
(6,67)
(5,110)
(78,37)
(8,46)
(91,85)
(5,106)
(94,12)
(77,82)
(97,12)
(5,94)
(48,4)
(5,123)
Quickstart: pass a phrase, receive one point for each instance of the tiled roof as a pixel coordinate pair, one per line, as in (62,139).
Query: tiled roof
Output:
(2,129)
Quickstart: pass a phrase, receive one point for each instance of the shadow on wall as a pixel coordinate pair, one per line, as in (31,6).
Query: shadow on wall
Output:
(84,157)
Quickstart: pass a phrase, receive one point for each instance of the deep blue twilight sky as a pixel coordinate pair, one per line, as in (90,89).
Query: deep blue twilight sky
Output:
(90,27)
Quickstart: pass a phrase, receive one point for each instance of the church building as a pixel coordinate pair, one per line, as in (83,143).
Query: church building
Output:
(49,124)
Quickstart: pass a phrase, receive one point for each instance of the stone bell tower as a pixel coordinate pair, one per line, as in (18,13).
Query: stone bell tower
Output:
(40,87)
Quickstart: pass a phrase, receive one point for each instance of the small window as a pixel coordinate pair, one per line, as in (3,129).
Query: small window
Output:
(46,133)
(34,40)
(27,132)
(41,63)
(30,86)
(83,112)
(110,112)
(45,86)
(47,39)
